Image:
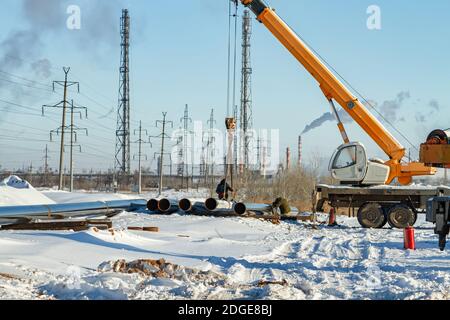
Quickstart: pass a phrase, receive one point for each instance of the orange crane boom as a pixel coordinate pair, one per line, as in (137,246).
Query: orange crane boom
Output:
(335,90)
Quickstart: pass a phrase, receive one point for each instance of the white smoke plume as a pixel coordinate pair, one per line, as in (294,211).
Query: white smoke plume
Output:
(389,110)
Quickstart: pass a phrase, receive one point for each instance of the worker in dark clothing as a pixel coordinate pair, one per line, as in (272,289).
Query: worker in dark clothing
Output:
(222,190)
(282,205)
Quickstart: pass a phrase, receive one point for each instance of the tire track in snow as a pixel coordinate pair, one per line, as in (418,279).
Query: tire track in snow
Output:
(331,263)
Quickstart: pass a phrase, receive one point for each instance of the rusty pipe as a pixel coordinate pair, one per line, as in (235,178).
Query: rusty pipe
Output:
(212,204)
(167,206)
(152,204)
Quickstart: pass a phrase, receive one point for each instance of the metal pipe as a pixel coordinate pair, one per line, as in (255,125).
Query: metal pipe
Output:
(242,208)
(185,204)
(152,204)
(168,206)
(212,204)
(191,206)
(73,209)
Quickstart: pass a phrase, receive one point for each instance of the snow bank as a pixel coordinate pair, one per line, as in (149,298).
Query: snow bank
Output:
(15,182)
(15,191)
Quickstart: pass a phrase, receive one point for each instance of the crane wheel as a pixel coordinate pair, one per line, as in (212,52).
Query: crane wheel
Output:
(371,215)
(401,217)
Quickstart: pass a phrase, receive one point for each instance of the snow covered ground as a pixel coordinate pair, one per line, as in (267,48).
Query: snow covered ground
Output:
(15,191)
(231,256)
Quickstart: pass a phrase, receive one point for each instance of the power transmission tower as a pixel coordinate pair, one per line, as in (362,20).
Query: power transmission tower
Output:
(202,169)
(264,152)
(185,121)
(261,145)
(140,155)
(74,136)
(123,140)
(210,149)
(246,90)
(258,153)
(180,167)
(62,105)
(263,161)
(236,143)
(46,158)
(163,136)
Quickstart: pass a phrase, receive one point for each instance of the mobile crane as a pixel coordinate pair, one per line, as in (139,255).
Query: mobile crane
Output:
(363,181)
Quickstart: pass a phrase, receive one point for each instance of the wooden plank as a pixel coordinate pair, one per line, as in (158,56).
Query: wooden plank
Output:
(59,225)
(147,229)
(151,229)
(263,283)
(259,215)
(135,228)
(106,222)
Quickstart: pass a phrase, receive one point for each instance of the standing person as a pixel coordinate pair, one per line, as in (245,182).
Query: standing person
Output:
(222,190)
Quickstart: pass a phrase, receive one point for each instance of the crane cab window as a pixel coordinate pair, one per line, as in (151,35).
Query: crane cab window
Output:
(345,158)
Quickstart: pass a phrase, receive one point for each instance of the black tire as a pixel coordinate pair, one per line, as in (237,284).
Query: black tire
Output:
(372,216)
(415,216)
(401,217)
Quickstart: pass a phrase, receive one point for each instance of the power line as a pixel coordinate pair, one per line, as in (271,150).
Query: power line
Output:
(25,79)
(25,85)
(11,138)
(23,126)
(48,88)
(21,148)
(18,105)
(20,113)
(99,125)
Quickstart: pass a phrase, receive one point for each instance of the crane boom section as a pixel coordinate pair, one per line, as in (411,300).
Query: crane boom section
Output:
(331,86)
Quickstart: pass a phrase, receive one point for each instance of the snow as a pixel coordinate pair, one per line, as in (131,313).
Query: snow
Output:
(15,191)
(232,255)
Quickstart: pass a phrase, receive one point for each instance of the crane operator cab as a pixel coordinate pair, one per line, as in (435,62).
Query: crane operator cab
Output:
(350,166)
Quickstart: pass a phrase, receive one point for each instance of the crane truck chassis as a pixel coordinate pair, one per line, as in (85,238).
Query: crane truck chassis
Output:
(377,206)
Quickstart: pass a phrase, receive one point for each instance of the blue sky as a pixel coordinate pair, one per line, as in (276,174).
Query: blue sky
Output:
(179,56)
